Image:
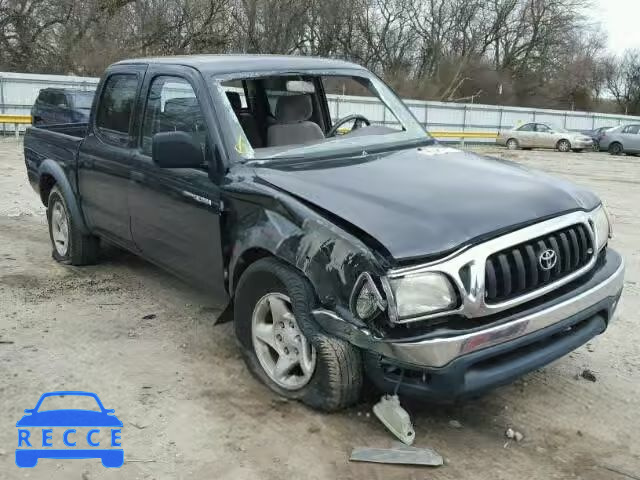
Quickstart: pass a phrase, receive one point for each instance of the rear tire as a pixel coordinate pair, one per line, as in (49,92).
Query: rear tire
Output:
(337,379)
(70,245)
(563,145)
(616,148)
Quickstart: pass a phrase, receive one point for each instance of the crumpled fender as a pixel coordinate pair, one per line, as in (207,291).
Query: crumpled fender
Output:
(51,167)
(330,257)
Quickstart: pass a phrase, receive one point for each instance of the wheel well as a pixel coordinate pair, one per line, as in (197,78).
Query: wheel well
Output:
(46,184)
(512,138)
(615,143)
(247,258)
(562,140)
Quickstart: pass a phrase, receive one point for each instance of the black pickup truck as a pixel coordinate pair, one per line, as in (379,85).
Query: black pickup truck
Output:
(343,240)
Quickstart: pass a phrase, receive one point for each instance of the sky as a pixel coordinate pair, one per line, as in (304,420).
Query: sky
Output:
(620,19)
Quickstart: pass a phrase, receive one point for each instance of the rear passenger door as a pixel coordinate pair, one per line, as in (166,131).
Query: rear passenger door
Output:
(104,159)
(175,212)
(526,135)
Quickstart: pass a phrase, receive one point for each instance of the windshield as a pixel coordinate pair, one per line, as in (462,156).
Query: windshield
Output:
(82,100)
(285,115)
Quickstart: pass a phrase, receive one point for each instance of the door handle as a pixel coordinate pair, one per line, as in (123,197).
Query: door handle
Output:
(137,177)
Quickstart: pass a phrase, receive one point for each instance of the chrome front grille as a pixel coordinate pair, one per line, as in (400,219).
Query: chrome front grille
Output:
(499,274)
(519,269)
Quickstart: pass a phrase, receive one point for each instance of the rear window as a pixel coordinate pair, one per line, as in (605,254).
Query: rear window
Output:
(116,104)
(82,100)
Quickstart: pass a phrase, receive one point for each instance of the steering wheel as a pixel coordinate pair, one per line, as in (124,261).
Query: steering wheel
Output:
(359,119)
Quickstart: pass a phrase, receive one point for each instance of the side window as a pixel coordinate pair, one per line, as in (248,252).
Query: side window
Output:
(540,127)
(59,99)
(116,105)
(172,106)
(527,127)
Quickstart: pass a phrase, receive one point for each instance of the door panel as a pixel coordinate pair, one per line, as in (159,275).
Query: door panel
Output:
(175,212)
(175,222)
(103,180)
(105,155)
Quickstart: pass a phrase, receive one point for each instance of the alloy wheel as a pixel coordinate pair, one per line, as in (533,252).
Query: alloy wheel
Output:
(60,229)
(284,353)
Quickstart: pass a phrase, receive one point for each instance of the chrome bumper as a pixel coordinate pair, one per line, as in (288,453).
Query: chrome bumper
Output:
(438,352)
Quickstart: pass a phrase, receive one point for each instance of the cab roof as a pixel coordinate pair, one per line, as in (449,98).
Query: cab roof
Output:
(224,64)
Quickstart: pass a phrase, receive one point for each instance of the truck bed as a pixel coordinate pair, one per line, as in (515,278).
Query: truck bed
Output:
(59,143)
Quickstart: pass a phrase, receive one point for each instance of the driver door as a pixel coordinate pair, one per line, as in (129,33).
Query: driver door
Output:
(175,212)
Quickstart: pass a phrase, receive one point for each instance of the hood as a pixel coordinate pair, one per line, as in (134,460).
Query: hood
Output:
(69,418)
(428,201)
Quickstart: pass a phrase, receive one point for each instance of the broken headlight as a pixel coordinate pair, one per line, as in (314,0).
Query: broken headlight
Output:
(601,226)
(422,294)
(366,299)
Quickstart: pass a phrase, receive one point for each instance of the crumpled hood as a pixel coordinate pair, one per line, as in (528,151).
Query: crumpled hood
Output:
(427,201)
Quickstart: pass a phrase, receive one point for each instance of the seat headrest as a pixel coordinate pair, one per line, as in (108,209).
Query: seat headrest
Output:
(293,108)
(180,105)
(234,100)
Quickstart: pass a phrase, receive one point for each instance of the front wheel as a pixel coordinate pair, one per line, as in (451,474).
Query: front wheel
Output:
(512,144)
(563,146)
(283,347)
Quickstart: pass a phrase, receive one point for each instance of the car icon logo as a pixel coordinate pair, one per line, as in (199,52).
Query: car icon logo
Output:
(548,259)
(69,433)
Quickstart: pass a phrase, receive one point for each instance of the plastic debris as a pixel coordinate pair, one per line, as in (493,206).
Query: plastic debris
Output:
(398,454)
(588,375)
(395,418)
(455,424)
(514,435)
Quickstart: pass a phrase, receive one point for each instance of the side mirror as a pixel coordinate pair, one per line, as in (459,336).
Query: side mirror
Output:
(176,150)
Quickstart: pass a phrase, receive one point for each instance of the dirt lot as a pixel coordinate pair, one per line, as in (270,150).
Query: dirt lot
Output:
(191,410)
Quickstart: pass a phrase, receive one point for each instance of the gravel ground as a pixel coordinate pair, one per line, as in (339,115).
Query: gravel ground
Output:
(191,410)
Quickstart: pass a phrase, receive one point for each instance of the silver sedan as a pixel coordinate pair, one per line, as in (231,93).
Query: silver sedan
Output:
(540,135)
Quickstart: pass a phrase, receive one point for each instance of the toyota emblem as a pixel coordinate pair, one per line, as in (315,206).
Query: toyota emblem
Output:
(548,259)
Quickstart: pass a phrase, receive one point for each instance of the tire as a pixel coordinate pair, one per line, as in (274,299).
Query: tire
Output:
(337,376)
(72,247)
(512,144)
(616,148)
(563,145)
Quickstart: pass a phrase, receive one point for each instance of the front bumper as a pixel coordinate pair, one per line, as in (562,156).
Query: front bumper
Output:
(583,144)
(462,364)
(445,369)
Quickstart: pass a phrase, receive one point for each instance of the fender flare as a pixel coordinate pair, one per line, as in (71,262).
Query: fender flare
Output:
(51,167)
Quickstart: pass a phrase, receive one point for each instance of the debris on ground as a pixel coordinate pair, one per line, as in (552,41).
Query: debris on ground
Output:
(395,418)
(588,375)
(455,424)
(150,316)
(514,434)
(398,454)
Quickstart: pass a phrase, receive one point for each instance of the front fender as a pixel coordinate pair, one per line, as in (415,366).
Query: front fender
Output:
(329,257)
(52,168)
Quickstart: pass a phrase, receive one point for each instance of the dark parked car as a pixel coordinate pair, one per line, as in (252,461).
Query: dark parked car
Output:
(341,248)
(61,105)
(596,134)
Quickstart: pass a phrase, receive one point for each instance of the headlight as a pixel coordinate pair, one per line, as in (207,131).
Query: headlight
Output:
(422,294)
(601,226)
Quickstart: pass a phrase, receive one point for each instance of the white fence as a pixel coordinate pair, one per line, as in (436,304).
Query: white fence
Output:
(18,91)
